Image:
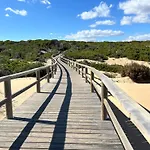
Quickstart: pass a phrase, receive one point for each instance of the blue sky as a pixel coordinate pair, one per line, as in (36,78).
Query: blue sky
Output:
(86,20)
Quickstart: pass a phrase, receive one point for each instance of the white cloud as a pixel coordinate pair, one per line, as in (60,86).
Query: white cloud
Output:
(126,20)
(105,22)
(140,11)
(17,12)
(92,35)
(142,37)
(7,15)
(21,0)
(46,2)
(103,10)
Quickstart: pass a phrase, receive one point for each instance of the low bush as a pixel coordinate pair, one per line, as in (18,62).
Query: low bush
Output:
(106,67)
(138,73)
(15,66)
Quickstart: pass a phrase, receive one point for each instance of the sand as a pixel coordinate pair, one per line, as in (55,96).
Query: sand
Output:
(18,84)
(124,61)
(138,92)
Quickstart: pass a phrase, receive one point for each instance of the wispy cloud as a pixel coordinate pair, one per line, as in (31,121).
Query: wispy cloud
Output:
(105,22)
(16,11)
(142,37)
(92,35)
(103,10)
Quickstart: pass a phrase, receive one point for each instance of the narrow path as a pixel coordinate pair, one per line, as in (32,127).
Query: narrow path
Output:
(65,115)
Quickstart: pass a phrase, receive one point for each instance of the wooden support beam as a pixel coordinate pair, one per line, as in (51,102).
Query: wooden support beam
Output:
(82,72)
(38,81)
(92,78)
(8,95)
(104,95)
(86,71)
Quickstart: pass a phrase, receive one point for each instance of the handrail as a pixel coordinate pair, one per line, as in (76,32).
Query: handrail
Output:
(50,71)
(137,114)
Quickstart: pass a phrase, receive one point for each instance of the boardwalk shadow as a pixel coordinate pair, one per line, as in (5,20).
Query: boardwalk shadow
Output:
(59,134)
(31,122)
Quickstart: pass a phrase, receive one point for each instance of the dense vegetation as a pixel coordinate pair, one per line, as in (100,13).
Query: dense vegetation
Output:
(138,73)
(135,50)
(24,55)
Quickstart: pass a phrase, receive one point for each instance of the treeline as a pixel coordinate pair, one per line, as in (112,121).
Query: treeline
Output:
(136,50)
(29,52)
(24,55)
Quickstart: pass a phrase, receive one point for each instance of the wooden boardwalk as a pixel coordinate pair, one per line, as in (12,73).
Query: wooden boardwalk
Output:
(65,115)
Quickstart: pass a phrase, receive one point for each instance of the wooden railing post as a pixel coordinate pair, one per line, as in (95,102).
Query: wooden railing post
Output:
(79,69)
(76,66)
(8,95)
(55,68)
(92,78)
(48,74)
(73,65)
(82,72)
(38,81)
(86,71)
(104,94)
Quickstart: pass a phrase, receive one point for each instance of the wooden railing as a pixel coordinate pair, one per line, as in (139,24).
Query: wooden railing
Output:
(50,71)
(109,91)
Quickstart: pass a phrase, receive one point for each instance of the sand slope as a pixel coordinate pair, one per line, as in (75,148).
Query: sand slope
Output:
(18,84)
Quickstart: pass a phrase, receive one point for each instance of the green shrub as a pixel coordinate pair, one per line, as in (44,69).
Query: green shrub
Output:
(106,67)
(138,73)
(15,66)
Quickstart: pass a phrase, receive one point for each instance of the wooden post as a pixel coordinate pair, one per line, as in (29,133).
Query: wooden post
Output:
(104,94)
(8,95)
(92,78)
(86,71)
(76,67)
(79,69)
(48,74)
(38,81)
(82,72)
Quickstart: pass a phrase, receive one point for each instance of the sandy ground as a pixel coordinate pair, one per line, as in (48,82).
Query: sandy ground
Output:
(138,92)
(18,84)
(124,61)
(118,61)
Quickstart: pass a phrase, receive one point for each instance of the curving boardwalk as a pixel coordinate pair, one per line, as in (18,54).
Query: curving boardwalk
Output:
(65,115)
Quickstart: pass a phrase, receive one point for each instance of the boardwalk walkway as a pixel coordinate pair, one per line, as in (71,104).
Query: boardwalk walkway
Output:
(65,115)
